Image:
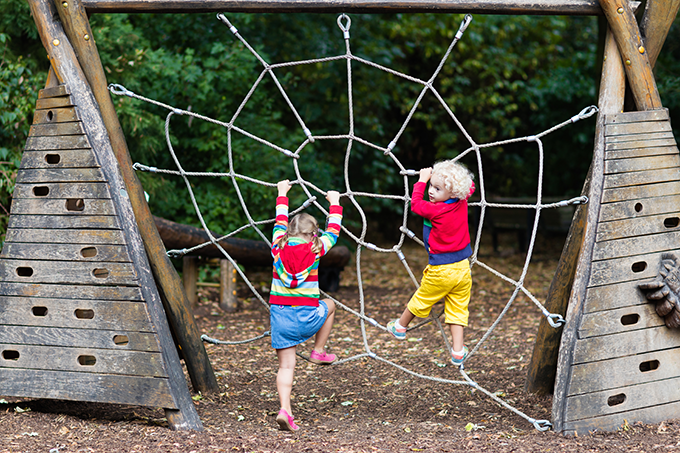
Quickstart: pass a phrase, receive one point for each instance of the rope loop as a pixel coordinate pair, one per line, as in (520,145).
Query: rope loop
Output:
(558,320)
(120,90)
(344,27)
(585,113)
(141,167)
(463,26)
(541,425)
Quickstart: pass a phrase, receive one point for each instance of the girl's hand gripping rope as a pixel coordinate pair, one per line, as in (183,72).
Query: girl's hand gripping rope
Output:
(283,187)
(333,196)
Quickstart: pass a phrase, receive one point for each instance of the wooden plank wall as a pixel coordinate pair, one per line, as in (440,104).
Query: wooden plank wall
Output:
(73,321)
(625,363)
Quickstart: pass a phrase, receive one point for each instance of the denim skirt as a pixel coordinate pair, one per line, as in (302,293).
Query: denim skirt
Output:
(292,325)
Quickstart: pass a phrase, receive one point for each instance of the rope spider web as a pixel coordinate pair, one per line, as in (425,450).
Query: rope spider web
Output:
(476,149)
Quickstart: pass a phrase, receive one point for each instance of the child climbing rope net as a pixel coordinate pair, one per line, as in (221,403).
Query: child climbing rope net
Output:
(312,194)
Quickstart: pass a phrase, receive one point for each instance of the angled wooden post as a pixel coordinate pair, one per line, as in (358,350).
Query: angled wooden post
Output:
(177,306)
(633,53)
(655,24)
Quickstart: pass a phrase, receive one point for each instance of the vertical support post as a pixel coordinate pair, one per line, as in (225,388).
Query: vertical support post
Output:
(177,307)
(633,53)
(655,24)
(189,278)
(228,300)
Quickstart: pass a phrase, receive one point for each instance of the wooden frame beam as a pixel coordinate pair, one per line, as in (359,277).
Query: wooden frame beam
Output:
(533,7)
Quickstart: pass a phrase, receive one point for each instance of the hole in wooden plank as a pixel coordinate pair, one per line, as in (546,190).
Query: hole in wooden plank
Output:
(639,266)
(39,311)
(24,271)
(84,313)
(41,191)
(121,340)
(87,360)
(88,252)
(10,355)
(75,204)
(638,207)
(671,222)
(50,116)
(628,320)
(615,400)
(52,159)
(100,273)
(649,365)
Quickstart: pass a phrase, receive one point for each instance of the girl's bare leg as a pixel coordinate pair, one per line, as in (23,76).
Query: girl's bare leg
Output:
(322,335)
(284,378)
(406,318)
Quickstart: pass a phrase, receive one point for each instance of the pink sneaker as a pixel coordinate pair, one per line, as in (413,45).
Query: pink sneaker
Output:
(322,358)
(286,422)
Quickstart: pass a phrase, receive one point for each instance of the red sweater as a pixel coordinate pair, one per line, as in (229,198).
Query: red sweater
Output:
(446,235)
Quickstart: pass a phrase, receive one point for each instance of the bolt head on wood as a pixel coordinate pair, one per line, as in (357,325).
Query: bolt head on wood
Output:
(641,49)
(55,42)
(86,37)
(65,4)
(620,10)
(628,62)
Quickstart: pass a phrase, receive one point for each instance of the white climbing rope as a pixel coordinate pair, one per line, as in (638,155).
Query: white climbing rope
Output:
(269,70)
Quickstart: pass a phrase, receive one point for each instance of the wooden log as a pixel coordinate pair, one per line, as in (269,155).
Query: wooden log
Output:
(644,177)
(647,191)
(91,314)
(60,175)
(633,53)
(53,103)
(60,206)
(653,414)
(67,252)
(655,24)
(603,298)
(542,372)
(177,307)
(55,129)
(62,190)
(76,236)
(228,300)
(632,397)
(57,115)
(84,360)
(624,344)
(57,142)
(67,221)
(63,158)
(102,388)
(78,338)
(639,207)
(245,251)
(565,7)
(190,277)
(619,320)
(125,293)
(658,150)
(655,366)
(97,273)
(643,234)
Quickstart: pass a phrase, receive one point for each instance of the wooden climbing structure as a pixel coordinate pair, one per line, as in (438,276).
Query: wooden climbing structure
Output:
(80,308)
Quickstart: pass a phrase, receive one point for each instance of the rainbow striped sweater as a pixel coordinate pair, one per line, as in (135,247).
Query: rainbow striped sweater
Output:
(295,279)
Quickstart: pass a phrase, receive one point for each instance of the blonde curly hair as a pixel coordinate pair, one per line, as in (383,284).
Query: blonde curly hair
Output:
(457,178)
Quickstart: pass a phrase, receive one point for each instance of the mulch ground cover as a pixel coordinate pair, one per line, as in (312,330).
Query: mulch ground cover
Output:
(363,405)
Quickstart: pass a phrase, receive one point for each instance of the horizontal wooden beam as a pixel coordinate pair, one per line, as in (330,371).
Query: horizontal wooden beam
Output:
(533,7)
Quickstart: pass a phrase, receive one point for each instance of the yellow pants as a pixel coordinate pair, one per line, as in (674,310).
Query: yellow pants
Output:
(453,283)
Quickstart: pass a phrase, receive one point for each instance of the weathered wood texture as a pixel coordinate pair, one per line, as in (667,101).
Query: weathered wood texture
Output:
(177,306)
(73,386)
(655,24)
(228,300)
(638,69)
(542,370)
(77,300)
(618,360)
(565,7)
(244,251)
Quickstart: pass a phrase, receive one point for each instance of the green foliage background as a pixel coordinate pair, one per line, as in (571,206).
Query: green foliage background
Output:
(509,76)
